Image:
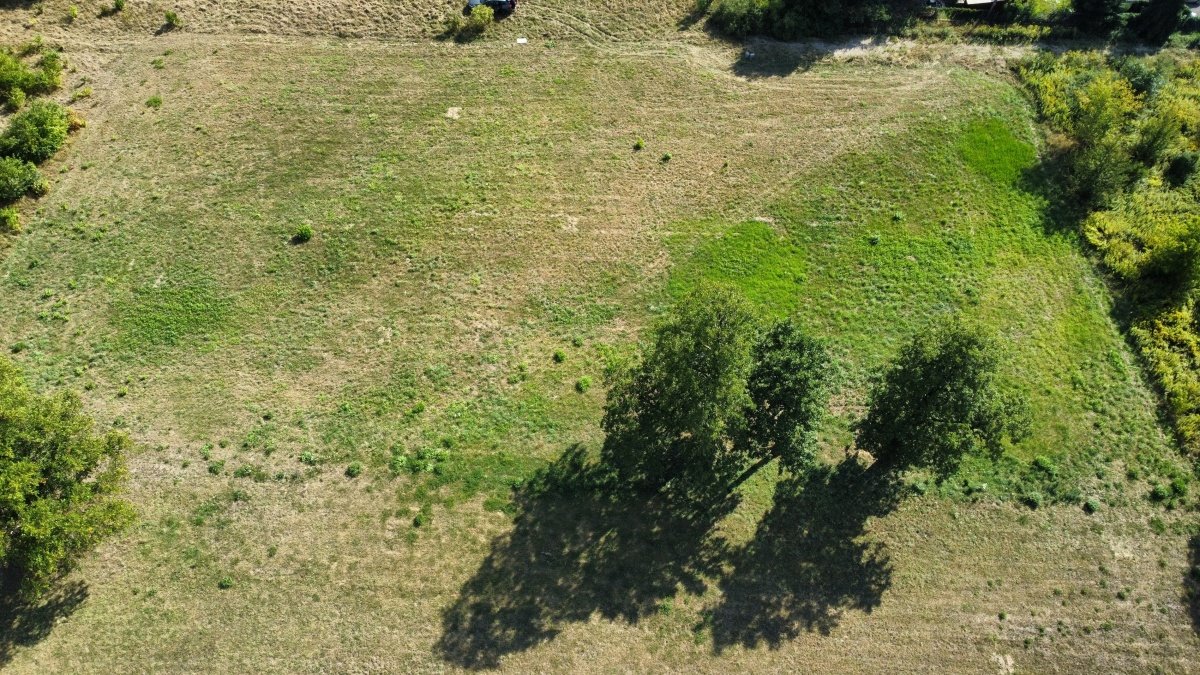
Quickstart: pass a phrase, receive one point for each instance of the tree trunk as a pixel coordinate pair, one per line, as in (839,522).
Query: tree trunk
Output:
(753,469)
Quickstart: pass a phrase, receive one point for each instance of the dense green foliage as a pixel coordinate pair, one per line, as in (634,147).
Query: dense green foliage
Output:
(1134,127)
(1158,20)
(676,411)
(59,482)
(1097,16)
(939,402)
(37,132)
(791,19)
(17,179)
(16,76)
(711,394)
(789,388)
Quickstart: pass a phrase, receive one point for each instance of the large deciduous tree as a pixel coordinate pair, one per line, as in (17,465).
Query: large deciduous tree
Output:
(712,393)
(676,410)
(59,483)
(939,402)
(789,388)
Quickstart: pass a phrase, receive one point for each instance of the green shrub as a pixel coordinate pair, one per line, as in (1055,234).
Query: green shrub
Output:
(465,29)
(425,516)
(1092,505)
(583,384)
(72,13)
(1180,167)
(354,470)
(10,221)
(559,356)
(16,76)
(225,583)
(398,464)
(172,19)
(17,179)
(1096,16)
(118,6)
(61,481)
(310,458)
(1160,493)
(481,18)
(14,100)
(154,101)
(792,19)
(1158,20)
(639,144)
(36,133)
(32,46)
(739,18)
(302,234)
(49,77)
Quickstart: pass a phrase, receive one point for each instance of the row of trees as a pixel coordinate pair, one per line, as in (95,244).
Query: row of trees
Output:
(716,396)
(1152,21)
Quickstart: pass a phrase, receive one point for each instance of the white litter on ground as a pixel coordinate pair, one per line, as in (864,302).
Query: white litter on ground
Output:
(522,41)
(453,113)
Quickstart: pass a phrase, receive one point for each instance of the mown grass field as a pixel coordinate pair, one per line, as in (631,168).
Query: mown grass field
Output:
(478,208)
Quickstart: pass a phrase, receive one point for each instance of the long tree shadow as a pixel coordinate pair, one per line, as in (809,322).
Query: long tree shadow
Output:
(23,624)
(580,547)
(809,562)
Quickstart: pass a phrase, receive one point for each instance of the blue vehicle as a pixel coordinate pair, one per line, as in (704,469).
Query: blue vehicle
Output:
(500,6)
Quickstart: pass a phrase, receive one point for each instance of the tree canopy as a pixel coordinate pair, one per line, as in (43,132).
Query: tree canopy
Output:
(940,401)
(59,483)
(712,392)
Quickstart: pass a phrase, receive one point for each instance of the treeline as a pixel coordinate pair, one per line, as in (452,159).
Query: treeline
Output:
(1127,131)
(792,19)
(1149,21)
(717,395)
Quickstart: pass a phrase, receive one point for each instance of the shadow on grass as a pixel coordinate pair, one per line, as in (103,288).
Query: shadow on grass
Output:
(1191,581)
(23,624)
(579,548)
(809,562)
(761,58)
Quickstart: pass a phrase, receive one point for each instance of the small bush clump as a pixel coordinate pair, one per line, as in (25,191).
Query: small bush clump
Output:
(225,583)
(17,179)
(154,101)
(36,133)
(172,19)
(465,29)
(10,221)
(16,75)
(559,356)
(118,6)
(303,234)
(583,384)
(354,470)
(14,100)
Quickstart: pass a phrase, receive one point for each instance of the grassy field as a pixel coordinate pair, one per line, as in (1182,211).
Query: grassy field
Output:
(477,209)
